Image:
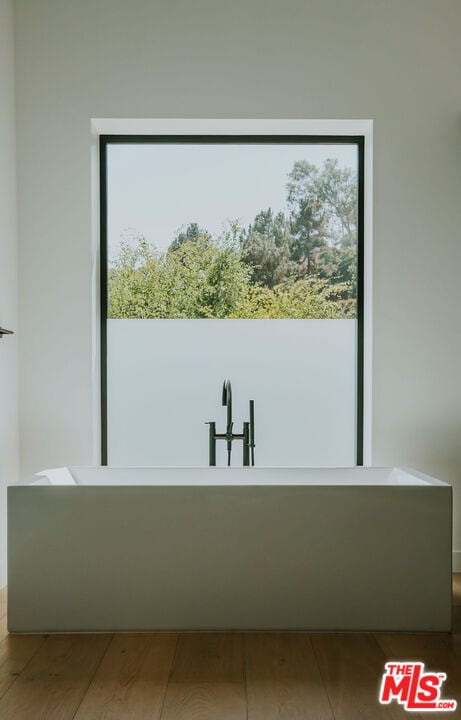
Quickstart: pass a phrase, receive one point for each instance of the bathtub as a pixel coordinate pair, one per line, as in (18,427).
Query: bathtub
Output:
(147,549)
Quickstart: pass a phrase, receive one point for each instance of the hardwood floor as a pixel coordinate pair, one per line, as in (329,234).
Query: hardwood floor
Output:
(215,676)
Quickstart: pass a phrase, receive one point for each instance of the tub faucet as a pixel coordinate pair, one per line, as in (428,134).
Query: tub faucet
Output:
(247,436)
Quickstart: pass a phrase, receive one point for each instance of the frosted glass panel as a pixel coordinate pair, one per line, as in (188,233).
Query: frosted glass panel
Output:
(165,379)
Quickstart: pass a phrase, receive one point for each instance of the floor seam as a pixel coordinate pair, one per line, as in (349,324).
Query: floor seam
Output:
(45,638)
(244,636)
(93,676)
(167,684)
(386,658)
(325,687)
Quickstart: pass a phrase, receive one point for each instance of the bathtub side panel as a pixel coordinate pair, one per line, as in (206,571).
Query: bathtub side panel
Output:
(192,558)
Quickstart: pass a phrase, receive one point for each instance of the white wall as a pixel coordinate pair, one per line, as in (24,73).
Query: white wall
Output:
(165,380)
(8,271)
(396,62)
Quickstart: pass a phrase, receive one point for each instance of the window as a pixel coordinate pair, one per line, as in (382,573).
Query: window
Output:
(240,257)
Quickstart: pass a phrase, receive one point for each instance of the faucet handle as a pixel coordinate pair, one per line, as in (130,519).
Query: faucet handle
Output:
(211,443)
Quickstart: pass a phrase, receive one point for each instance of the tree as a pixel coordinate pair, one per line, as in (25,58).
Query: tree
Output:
(337,188)
(323,205)
(192,233)
(307,214)
(206,279)
(266,248)
(310,298)
(199,279)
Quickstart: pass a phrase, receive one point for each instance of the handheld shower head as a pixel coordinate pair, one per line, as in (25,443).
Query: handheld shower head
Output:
(227,402)
(226,391)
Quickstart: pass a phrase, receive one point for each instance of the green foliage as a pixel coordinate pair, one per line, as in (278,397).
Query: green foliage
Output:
(338,192)
(323,212)
(339,266)
(311,298)
(199,279)
(192,233)
(308,215)
(266,248)
(203,279)
(298,266)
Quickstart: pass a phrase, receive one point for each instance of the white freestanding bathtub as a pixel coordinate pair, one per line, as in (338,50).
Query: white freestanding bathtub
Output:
(143,549)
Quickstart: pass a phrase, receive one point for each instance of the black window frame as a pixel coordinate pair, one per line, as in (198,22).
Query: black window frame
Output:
(304,139)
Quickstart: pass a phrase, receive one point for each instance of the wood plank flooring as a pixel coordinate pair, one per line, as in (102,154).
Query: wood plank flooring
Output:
(215,676)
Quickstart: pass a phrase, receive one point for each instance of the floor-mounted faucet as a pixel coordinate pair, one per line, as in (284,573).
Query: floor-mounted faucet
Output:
(247,436)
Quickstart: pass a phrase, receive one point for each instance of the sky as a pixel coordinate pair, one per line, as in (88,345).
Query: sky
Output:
(154,190)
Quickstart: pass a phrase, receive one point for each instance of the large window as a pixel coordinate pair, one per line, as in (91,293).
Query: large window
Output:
(237,257)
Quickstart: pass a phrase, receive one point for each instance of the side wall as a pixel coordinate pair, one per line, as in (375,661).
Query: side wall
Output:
(394,62)
(8,273)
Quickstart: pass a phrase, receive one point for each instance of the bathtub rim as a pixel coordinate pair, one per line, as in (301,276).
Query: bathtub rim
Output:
(42,478)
